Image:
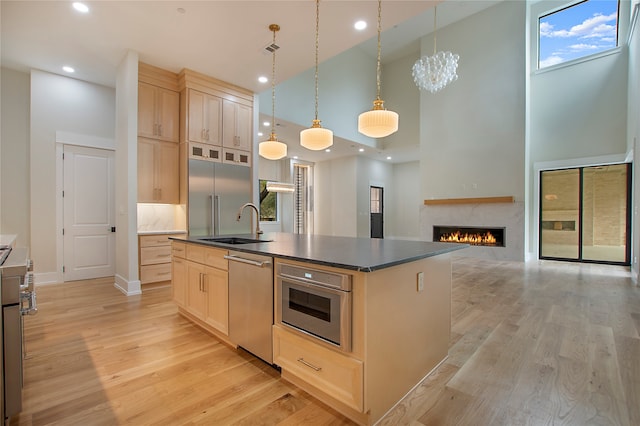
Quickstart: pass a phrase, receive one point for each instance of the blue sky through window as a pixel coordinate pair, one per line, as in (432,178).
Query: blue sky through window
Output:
(579,30)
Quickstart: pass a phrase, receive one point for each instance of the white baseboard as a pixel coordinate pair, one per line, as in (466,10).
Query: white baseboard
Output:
(129,288)
(46,278)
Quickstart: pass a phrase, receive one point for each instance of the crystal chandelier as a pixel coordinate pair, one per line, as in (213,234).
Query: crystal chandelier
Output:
(378,122)
(273,149)
(315,137)
(433,73)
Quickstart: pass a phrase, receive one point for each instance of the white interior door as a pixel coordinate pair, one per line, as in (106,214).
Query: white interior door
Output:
(89,213)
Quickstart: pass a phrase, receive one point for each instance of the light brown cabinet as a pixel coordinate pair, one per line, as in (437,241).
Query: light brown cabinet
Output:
(158,113)
(158,172)
(204,118)
(155,257)
(338,375)
(206,283)
(236,128)
(179,276)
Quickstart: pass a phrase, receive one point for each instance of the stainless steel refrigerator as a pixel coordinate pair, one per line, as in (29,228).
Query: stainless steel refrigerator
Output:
(216,192)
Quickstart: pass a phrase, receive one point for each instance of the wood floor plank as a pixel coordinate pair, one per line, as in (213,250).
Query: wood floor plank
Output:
(536,343)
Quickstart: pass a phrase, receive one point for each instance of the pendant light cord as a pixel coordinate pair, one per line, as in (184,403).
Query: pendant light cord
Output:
(274,28)
(378,69)
(435,12)
(317,32)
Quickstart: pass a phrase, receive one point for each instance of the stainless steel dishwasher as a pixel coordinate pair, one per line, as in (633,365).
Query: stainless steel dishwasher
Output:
(251,303)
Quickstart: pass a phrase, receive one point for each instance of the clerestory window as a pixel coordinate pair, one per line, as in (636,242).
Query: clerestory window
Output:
(576,31)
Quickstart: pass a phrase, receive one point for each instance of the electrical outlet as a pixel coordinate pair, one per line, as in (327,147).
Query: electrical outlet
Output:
(420,281)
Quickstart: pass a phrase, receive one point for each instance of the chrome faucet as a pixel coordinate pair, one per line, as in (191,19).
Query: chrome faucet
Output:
(258,230)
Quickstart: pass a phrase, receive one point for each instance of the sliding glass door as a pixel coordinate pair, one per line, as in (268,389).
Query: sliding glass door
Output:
(584,214)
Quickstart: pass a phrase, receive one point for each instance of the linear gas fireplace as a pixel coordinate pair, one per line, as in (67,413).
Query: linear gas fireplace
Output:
(474,235)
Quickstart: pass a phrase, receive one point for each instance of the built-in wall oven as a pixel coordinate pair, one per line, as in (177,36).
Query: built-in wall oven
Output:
(315,302)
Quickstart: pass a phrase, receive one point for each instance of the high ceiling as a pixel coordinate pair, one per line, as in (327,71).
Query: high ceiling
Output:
(224,39)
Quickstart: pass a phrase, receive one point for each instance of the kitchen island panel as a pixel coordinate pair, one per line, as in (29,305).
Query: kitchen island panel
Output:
(407,331)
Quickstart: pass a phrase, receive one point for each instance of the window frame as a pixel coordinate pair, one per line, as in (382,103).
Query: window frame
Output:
(614,50)
(277,204)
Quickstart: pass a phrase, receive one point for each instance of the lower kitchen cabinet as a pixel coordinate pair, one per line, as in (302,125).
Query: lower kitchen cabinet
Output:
(155,257)
(202,288)
(179,281)
(336,374)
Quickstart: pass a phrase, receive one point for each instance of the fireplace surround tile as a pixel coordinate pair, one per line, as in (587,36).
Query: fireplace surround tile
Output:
(503,215)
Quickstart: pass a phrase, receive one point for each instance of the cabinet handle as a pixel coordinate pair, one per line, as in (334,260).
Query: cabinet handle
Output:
(200,282)
(308,364)
(207,134)
(159,129)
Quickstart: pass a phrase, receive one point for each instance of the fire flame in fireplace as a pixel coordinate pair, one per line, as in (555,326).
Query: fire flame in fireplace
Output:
(484,239)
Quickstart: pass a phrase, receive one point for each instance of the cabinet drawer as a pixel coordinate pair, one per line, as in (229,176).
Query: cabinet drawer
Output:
(154,240)
(195,253)
(155,273)
(154,255)
(333,373)
(178,249)
(215,258)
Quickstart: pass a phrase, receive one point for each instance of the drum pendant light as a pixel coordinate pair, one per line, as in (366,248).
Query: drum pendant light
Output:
(273,149)
(378,122)
(315,137)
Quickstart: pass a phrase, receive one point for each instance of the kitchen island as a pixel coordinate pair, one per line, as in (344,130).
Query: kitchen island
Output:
(399,312)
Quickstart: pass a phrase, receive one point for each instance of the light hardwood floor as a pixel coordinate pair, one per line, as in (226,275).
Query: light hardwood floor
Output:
(538,343)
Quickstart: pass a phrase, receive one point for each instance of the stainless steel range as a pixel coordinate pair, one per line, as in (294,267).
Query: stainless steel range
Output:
(18,299)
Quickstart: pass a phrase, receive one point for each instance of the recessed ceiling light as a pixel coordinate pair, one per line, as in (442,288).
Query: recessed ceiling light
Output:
(360,25)
(260,134)
(266,124)
(67,68)
(295,157)
(81,7)
(263,79)
(327,150)
(388,158)
(361,150)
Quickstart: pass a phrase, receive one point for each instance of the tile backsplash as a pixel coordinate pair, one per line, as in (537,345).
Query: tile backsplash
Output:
(161,217)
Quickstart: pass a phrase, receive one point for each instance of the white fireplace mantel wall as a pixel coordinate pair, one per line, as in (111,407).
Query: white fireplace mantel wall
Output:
(507,215)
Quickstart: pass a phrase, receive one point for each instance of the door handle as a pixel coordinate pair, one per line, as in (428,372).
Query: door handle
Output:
(247,261)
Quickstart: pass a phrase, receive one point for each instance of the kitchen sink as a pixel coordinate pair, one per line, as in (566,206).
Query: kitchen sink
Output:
(233,240)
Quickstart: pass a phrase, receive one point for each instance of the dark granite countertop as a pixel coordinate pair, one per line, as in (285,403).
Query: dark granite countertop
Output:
(357,254)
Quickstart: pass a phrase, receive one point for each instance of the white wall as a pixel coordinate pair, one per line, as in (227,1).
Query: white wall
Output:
(373,173)
(335,195)
(578,110)
(403,206)
(126,125)
(341,196)
(472,132)
(402,96)
(346,85)
(14,167)
(58,104)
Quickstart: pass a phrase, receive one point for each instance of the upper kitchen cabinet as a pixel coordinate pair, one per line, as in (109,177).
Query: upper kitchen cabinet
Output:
(158,112)
(236,132)
(204,119)
(158,172)
(216,113)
